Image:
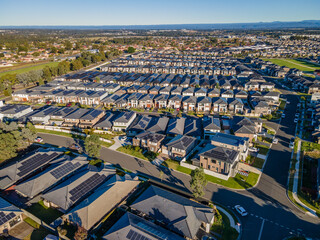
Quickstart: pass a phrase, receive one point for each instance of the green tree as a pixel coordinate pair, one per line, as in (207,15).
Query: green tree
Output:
(92,145)
(131,50)
(8,146)
(68,45)
(198,182)
(31,127)
(76,65)
(54,50)
(46,73)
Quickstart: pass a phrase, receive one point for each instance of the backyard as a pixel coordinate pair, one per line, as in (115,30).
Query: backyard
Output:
(48,215)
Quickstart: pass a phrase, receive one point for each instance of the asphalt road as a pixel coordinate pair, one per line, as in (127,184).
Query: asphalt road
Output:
(271,214)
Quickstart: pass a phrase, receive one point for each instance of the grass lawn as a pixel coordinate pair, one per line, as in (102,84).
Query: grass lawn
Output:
(262,149)
(258,162)
(138,152)
(292,63)
(38,233)
(222,226)
(282,105)
(36,66)
(237,182)
(48,215)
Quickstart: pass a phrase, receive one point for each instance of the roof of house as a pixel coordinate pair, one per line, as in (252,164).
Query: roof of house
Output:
(176,126)
(13,108)
(62,112)
(59,169)
(219,153)
(181,142)
(80,185)
(211,123)
(125,117)
(92,114)
(106,121)
(20,169)
(130,225)
(180,214)
(140,123)
(193,127)
(77,114)
(7,211)
(229,139)
(152,137)
(158,124)
(105,198)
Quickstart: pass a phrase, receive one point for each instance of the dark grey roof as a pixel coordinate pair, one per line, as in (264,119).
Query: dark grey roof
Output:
(129,225)
(193,127)
(181,142)
(152,137)
(77,114)
(13,108)
(211,123)
(58,169)
(158,124)
(180,214)
(106,121)
(176,126)
(91,115)
(229,139)
(62,112)
(125,117)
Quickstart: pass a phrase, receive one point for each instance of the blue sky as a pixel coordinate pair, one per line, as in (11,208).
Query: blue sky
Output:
(145,12)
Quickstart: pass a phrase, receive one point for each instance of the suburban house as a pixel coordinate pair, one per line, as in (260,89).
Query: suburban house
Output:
(219,105)
(176,126)
(158,125)
(181,215)
(148,140)
(13,111)
(90,211)
(161,101)
(123,121)
(106,122)
(57,117)
(240,144)
(73,119)
(91,118)
(10,216)
(218,159)
(138,125)
(210,125)
(132,225)
(204,104)
(175,101)
(179,147)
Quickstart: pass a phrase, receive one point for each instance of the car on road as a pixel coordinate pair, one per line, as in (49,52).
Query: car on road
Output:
(241,210)
(283,115)
(275,141)
(291,144)
(295,120)
(38,139)
(75,146)
(288,102)
(253,149)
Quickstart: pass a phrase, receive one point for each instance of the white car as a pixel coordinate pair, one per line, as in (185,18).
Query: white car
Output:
(283,115)
(295,120)
(241,210)
(288,102)
(38,139)
(275,141)
(291,145)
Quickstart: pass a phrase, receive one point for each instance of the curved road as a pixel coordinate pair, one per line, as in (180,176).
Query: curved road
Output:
(271,214)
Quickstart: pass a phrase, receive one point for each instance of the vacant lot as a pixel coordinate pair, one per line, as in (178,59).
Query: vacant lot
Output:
(27,68)
(292,63)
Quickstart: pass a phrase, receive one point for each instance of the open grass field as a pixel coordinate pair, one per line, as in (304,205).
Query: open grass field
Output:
(27,68)
(292,63)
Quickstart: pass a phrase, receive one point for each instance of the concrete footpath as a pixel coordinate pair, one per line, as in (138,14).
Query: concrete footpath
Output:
(232,223)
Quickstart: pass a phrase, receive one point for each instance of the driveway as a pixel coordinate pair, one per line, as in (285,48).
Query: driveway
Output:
(21,230)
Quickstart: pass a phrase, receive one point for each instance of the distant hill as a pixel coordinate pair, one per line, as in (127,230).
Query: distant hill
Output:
(216,26)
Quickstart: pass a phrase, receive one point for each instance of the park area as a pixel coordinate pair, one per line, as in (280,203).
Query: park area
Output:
(26,67)
(294,63)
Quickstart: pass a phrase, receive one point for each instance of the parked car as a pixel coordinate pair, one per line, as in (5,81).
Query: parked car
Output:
(75,146)
(241,210)
(68,105)
(38,139)
(283,115)
(295,120)
(275,141)
(291,144)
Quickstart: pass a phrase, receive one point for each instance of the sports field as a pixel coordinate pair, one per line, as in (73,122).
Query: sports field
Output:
(293,63)
(35,66)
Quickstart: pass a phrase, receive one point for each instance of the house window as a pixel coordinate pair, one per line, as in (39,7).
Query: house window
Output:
(201,165)
(213,161)
(209,167)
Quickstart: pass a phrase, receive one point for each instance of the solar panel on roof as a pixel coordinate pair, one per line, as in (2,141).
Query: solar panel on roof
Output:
(133,235)
(64,169)
(5,218)
(88,185)
(34,163)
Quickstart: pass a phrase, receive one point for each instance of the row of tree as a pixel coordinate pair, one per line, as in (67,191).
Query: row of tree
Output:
(14,138)
(8,81)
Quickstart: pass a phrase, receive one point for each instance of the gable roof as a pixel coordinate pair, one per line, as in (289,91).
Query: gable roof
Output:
(92,209)
(180,214)
(220,154)
(181,142)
